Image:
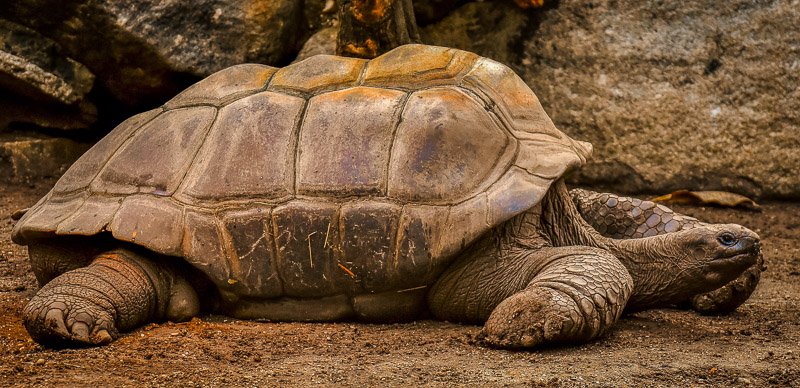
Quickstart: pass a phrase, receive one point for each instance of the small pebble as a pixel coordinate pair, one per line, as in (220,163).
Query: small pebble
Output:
(39,362)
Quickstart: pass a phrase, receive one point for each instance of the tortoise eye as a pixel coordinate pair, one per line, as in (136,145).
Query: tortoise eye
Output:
(727,239)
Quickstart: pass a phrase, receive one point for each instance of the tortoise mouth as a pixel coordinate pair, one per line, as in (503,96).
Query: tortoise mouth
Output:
(738,258)
(745,248)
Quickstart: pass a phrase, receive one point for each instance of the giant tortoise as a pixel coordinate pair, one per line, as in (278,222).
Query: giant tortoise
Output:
(428,179)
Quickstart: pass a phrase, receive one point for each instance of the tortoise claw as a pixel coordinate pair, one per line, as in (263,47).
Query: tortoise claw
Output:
(55,323)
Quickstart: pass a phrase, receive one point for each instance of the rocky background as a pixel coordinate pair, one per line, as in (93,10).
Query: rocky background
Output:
(698,95)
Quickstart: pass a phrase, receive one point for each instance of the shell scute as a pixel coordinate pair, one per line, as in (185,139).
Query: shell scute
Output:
(203,247)
(418,255)
(152,222)
(91,218)
(514,102)
(304,235)
(320,72)
(81,173)
(224,86)
(45,216)
(246,150)
(345,142)
(514,193)
(253,251)
(368,231)
(414,66)
(442,132)
(547,159)
(156,159)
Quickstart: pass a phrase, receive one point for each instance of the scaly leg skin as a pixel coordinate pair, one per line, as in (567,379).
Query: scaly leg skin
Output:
(535,298)
(624,217)
(120,290)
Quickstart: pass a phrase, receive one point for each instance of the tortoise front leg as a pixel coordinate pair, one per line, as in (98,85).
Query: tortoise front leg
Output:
(535,297)
(624,217)
(120,290)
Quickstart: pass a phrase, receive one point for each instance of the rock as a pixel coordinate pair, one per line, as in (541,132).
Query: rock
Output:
(39,84)
(696,95)
(36,64)
(492,29)
(322,42)
(144,51)
(28,158)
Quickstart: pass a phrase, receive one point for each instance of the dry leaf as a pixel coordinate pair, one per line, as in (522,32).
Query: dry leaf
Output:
(713,198)
(19,213)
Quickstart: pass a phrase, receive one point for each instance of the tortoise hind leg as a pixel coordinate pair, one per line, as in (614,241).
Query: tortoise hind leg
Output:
(535,297)
(118,291)
(624,217)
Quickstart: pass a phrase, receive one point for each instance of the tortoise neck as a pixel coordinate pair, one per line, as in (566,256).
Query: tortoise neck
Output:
(563,223)
(646,259)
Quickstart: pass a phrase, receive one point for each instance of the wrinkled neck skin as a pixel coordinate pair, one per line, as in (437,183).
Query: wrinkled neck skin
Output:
(657,264)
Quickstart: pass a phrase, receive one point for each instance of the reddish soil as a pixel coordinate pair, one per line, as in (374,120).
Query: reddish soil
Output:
(759,344)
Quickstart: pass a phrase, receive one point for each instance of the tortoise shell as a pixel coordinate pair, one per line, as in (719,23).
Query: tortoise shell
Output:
(329,176)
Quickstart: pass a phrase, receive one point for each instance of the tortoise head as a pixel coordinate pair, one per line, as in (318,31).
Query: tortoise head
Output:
(722,252)
(671,268)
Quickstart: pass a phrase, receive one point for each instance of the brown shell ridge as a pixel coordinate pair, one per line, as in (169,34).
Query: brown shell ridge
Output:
(228,253)
(298,126)
(396,238)
(188,166)
(273,229)
(363,74)
(397,120)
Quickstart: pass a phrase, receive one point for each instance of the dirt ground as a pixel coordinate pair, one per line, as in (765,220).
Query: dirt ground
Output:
(757,345)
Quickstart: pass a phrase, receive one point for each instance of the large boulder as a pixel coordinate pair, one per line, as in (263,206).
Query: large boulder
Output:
(144,51)
(676,94)
(28,158)
(39,85)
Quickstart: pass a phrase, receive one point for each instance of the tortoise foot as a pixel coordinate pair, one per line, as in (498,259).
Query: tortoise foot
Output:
(67,320)
(117,292)
(526,321)
(726,299)
(577,297)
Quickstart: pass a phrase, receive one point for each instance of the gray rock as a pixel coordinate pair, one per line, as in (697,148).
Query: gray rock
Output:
(322,42)
(702,94)
(144,51)
(29,158)
(35,67)
(38,84)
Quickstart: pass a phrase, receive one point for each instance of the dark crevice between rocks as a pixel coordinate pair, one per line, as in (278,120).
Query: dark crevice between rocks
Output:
(612,176)
(535,19)
(618,177)
(712,66)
